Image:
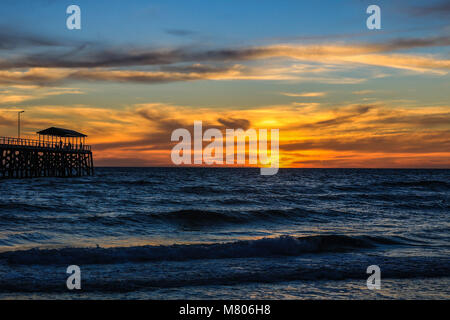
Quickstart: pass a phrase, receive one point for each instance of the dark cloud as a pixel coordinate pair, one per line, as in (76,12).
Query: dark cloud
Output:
(149,78)
(232,123)
(155,141)
(119,58)
(10,39)
(180,32)
(401,143)
(428,120)
(91,59)
(411,43)
(96,62)
(346,117)
(161,121)
(441,9)
(195,68)
(14,39)
(164,126)
(89,55)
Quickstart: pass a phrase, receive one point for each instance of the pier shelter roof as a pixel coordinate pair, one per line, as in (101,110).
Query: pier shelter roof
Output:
(59,132)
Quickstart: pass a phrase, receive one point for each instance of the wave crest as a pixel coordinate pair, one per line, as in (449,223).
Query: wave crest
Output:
(265,247)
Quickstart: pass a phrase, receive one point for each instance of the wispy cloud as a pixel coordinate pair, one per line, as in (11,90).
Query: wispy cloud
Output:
(99,63)
(180,32)
(439,9)
(20,93)
(304,94)
(363,92)
(13,39)
(333,133)
(350,135)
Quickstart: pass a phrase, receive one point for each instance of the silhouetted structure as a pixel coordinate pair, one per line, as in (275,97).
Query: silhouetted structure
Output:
(58,153)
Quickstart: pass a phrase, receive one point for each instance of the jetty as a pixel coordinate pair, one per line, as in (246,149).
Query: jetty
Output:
(56,153)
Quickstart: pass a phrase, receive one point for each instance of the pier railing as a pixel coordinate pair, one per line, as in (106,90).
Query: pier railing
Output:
(43,144)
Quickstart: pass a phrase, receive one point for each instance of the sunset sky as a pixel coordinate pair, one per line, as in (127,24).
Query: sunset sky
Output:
(340,94)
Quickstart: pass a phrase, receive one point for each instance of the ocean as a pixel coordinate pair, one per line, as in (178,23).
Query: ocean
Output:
(227,233)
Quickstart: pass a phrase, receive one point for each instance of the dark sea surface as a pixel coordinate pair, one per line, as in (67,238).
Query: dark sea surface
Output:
(209,233)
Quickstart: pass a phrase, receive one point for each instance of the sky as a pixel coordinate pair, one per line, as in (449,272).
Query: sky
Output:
(340,94)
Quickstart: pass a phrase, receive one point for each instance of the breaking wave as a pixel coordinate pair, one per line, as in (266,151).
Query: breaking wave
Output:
(265,247)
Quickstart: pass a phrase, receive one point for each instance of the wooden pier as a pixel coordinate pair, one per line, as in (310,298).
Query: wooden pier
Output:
(57,153)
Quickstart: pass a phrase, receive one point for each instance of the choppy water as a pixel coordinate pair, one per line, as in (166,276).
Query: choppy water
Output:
(227,233)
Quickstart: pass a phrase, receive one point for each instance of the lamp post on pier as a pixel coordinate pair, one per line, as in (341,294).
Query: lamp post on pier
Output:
(18,123)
